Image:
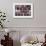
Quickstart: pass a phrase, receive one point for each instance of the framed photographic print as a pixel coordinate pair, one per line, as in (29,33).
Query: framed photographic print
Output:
(22,10)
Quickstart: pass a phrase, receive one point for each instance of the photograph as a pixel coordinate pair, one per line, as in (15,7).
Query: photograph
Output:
(22,10)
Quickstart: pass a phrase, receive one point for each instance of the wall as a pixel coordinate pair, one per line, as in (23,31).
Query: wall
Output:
(37,23)
(39,13)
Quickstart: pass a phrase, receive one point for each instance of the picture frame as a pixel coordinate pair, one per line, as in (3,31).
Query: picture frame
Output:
(22,10)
